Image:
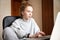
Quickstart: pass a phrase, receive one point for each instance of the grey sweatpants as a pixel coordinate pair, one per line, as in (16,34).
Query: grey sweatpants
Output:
(9,34)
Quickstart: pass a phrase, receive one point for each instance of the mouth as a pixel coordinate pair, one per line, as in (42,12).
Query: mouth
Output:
(29,16)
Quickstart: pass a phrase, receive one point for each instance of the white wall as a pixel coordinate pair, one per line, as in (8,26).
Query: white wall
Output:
(5,10)
(37,12)
(56,4)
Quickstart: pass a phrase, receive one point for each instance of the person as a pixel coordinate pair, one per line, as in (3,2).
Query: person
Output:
(23,27)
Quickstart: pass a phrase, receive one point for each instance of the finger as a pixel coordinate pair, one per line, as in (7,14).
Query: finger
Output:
(42,33)
(39,35)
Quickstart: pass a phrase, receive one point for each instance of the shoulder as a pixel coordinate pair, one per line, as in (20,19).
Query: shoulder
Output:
(18,20)
(32,19)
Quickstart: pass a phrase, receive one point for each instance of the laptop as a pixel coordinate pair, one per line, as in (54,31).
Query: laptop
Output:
(56,30)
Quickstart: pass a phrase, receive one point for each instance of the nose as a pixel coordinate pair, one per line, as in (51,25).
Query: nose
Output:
(30,14)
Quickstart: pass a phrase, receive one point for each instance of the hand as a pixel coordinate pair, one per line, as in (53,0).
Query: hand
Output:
(33,36)
(38,34)
(41,34)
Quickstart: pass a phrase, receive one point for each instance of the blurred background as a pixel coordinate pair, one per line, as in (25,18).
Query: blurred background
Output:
(45,12)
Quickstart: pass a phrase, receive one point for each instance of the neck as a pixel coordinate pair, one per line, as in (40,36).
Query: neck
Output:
(25,19)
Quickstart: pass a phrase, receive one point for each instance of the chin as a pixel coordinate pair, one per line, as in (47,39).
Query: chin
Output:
(28,18)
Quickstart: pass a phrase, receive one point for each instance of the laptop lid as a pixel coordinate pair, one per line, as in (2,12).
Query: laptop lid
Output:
(56,30)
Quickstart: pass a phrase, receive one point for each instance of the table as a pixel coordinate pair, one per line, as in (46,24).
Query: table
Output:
(40,38)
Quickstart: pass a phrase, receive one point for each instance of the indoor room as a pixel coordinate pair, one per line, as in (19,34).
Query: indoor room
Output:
(44,13)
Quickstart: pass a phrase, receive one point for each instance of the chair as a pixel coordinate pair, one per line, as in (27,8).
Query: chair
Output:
(7,21)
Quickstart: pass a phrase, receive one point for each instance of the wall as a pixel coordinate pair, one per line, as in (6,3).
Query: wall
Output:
(37,12)
(56,4)
(5,10)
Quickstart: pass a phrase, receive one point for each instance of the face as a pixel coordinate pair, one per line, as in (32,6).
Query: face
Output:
(27,13)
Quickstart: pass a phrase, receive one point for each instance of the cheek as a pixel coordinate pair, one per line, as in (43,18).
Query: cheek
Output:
(31,14)
(26,14)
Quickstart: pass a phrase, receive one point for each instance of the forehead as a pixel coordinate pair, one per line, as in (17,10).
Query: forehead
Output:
(29,8)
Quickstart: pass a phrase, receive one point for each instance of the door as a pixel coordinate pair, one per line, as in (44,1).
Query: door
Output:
(15,5)
(47,16)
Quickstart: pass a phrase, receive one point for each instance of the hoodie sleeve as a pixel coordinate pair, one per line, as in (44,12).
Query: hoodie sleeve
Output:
(18,30)
(36,27)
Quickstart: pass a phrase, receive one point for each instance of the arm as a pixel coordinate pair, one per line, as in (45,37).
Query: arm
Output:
(18,30)
(37,32)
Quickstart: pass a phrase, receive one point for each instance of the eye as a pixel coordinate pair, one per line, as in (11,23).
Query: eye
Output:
(29,11)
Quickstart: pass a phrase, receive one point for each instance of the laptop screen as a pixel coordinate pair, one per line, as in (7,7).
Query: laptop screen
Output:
(56,30)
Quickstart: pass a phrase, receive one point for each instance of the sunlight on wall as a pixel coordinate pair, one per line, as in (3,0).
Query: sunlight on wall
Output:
(5,10)
(56,8)
(37,12)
